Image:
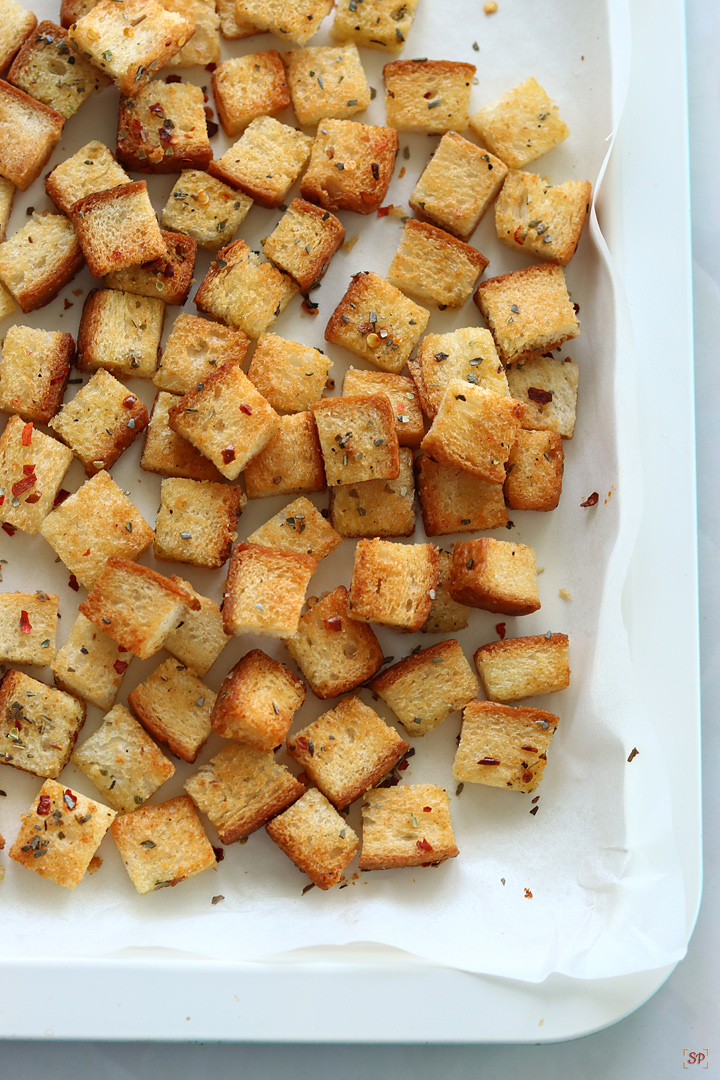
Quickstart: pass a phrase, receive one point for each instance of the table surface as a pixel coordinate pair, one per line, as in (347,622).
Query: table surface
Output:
(658,1038)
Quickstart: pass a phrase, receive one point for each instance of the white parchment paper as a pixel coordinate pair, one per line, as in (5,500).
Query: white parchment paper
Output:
(588,886)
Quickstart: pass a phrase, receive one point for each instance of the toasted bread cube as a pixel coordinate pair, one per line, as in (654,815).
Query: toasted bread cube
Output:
(247,87)
(529,311)
(351,166)
(393,584)
(60,834)
(130,59)
(96,522)
(535,471)
(226,419)
(291,20)
(90,665)
(100,422)
(406,826)
(326,82)
(197,347)
(163,129)
(265,162)
(205,209)
(241,788)
(523,667)
(29,132)
(429,96)
(231,27)
(120,332)
(520,126)
(117,228)
(39,260)
(358,438)
(39,725)
(28,623)
(425,688)
(403,396)
(299,528)
(17,25)
(136,606)
(265,591)
(290,376)
(503,746)
(388,339)
(167,453)
(168,278)
(243,290)
(122,761)
(204,45)
(548,388)
(304,241)
(257,701)
(495,575)
(197,521)
(199,637)
(376,507)
(434,266)
(175,707)
(457,186)
(92,168)
(317,839)
(334,652)
(291,462)
(446,615)
(163,845)
(474,430)
(533,217)
(347,750)
(32,467)
(468,353)
(374,24)
(47,69)
(34,372)
(453,500)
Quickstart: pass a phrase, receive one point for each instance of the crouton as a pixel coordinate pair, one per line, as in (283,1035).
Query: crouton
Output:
(548,387)
(523,667)
(231,27)
(39,260)
(520,126)
(60,834)
(290,376)
(29,132)
(49,71)
(403,396)
(163,129)
(241,788)
(503,746)
(247,87)
(358,438)
(120,333)
(175,707)
(257,701)
(291,20)
(425,688)
(205,209)
(197,347)
(304,241)
(446,615)
(130,40)
(299,528)
(334,652)
(72,10)
(406,826)
(347,750)
(167,453)
(265,162)
(34,372)
(204,45)
(122,761)
(32,467)
(117,228)
(374,24)
(163,845)
(317,839)
(17,25)
(168,278)
(428,96)
(90,665)
(39,725)
(199,638)
(453,500)
(265,591)
(495,575)
(93,168)
(457,186)
(393,584)
(434,266)
(468,353)
(376,507)
(28,623)
(197,521)
(545,221)
(100,422)
(291,462)
(96,522)
(535,471)
(529,311)
(326,82)
(243,290)
(377,322)
(351,166)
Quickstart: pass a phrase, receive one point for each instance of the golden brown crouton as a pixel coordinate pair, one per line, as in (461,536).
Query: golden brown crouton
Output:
(317,839)
(290,20)
(265,591)
(304,241)
(197,347)
(39,260)
(32,467)
(199,638)
(468,354)
(351,166)
(47,69)
(167,453)
(17,24)
(374,24)
(34,371)
(257,701)
(495,575)
(206,209)
(378,322)
(265,162)
(290,376)
(453,500)
(535,471)
(326,82)
(90,665)
(163,129)
(299,528)
(92,168)
(358,439)
(393,584)
(503,746)
(204,45)
(523,667)
(434,266)
(100,422)
(117,228)
(407,825)
(376,507)
(244,290)
(291,462)
(168,278)
(430,96)
(547,385)
(175,707)
(162,845)
(446,615)
(39,725)
(197,521)
(425,688)
(246,87)
(28,622)
(120,332)
(29,132)
(533,217)
(521,125)
(403,397)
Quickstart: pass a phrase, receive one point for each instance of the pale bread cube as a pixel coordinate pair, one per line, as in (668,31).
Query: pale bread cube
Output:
(162,128)
(17,25)
(167,278)
(203,207)
(388,338)
(32,467)
(376,507)
(163,845)
(520,126)
(265,591)
(118,227)
(100,422)
(428,96)
(197,347)
(548,388)
(434,266)
(204,45)
(503,746)
(292,461)
(393,584)
(423,689)
(403,395)
(121,333)
(351,166)
(91,665)
(199,638)
(374,24)
(39,725)
(34,275)
(28,624)
(538,219)
(316,837)
(408,825)
(197,521)
(243,290)
(34,371)
(48,70)
(175,707)
(289,375)
(524,667)
(303,242)
(326,82)
(358,438)
(495,575)
(535,471)
(265,162)
(246,87)
(468,354)
(455,501)
(29,132)
(92,168)
(257,702)
(290,20)
(167,453)
(299,528)
(446,616)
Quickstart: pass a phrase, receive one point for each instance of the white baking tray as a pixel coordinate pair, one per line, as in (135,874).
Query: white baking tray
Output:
(157,994)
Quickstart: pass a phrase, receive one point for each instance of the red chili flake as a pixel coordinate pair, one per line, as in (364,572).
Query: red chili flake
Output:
(527,777)
(21,486)
(8,529)
(68,305)
(333,623)
(166,135)
(172,78)
(157,109)
(531,749)
(489,761)
(309,306)
(219,854)
(427,809)
(228,454)
(528,895)
(28,470)
(576,308)
(212,128)
(86,553)
(591,499)
(43,807)
(35,497)
(403,765)
(27,431)
(422,845)
(69,799)
(383,211)
(60,497)
(2,499)
(129,401)
(247,409)
(500,630)
(209,114)
(302,744)
(121,666)
(73,583)
(25,624)
(543,397)
(211,66)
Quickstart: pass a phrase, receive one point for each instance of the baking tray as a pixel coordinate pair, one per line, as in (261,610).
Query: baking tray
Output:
(158,994)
